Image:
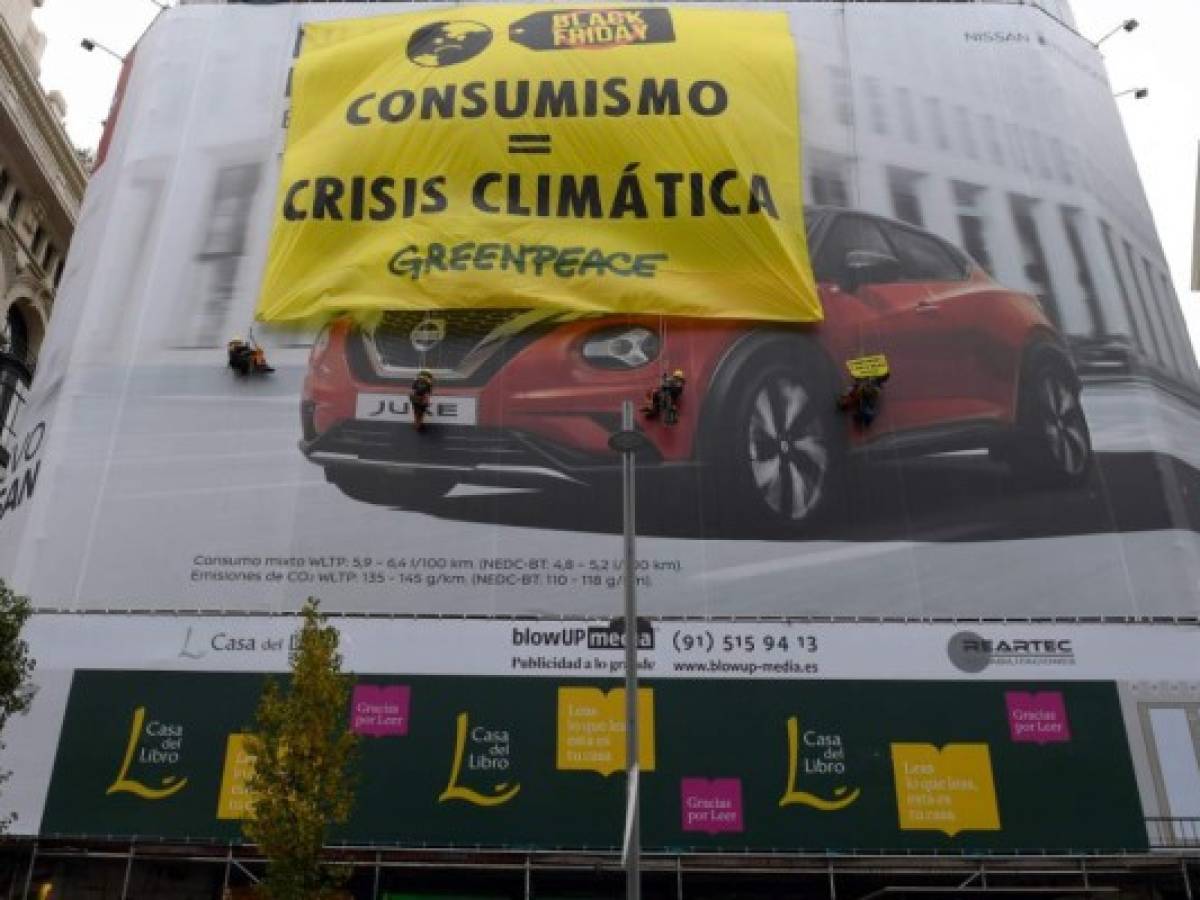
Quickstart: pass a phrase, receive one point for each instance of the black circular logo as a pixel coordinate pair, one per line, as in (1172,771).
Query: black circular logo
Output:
(448,43)
(428,334)
(969,652)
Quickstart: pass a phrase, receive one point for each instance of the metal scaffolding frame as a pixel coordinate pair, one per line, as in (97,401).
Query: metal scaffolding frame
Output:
(836,876)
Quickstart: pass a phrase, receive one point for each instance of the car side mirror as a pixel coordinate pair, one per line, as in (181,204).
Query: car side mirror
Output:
(869,267)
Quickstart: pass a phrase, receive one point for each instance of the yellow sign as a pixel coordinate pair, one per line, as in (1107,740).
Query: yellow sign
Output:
(591,729)
(632,159)
(236,800)
(868,366)
(949,790)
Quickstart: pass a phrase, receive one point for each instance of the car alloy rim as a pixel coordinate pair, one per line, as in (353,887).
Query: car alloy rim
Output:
(1063,425)
(788,448)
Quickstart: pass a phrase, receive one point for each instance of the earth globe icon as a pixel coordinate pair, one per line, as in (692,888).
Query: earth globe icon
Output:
(447,43)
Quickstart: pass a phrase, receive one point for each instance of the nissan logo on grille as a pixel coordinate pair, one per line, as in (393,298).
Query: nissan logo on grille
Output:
(428,334)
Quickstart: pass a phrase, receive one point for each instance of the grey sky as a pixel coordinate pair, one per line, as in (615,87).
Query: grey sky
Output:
(1164,129)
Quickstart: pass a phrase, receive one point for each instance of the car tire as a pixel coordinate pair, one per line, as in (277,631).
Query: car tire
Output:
(776,449)
(1052,446)
(404,491)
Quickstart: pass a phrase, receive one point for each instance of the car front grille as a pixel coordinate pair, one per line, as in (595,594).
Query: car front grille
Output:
(465,331)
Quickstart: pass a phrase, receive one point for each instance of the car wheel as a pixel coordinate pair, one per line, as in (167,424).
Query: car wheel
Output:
(1052,444)
(407,491)
(779,450)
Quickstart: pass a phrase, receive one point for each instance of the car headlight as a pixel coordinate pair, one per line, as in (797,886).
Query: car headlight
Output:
(621,347)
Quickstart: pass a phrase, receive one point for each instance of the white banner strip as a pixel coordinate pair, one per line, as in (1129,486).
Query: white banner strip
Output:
(671,649)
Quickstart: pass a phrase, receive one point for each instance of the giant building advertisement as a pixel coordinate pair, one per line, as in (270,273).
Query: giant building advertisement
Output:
(932,368)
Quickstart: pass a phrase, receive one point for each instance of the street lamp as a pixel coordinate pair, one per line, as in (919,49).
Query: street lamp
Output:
(627,442)
(89,45)
(1127,25)
(1138,93)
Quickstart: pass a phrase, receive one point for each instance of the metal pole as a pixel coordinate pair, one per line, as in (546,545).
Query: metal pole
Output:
(128,872)
(632,812)
(29,874)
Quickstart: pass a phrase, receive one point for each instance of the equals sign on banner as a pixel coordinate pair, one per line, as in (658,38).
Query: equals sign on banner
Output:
(529,143)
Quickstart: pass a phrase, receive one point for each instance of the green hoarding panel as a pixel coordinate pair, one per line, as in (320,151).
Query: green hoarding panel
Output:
(731,766)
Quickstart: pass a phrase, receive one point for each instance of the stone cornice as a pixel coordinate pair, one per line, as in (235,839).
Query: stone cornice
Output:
(41,127)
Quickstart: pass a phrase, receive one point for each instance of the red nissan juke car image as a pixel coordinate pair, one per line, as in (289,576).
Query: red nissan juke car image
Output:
(530,397)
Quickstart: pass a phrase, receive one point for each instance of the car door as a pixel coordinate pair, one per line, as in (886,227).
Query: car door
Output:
(961,362)
(872,313)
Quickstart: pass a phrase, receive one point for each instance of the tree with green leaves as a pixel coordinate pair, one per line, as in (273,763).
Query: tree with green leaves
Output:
(15,665)
(304,755)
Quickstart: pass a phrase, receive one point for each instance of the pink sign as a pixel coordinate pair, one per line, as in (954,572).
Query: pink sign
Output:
(380,711)
(1038,718)
(711,804)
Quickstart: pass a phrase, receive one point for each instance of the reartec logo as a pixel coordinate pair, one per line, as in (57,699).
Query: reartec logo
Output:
(594,637)
(970,652)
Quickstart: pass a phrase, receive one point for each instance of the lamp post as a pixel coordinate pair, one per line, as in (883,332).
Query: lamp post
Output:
(1127,25)
(627,442)
(89,45)
(1138,93)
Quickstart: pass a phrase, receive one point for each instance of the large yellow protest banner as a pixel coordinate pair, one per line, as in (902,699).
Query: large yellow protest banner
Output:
(594,159)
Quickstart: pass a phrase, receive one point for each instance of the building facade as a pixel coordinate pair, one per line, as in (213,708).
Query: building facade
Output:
(41,188)
(960,683)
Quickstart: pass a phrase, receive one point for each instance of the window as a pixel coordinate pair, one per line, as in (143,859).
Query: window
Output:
(937,122)
(47,255)
(58,273)
(1163,315)
(3,183)
(1038,152)
(1173,730)
(908,118)
(219,258)
(904,186)
(1115,262)
(876,106)
(1016,149)
(972,222)
(843,103)
(1061,166)
(1033,253)
(39,242)
(995,148)
(1154,329)
(828,189)
(924,258)
(848,233)
(14,206)
(965,133)
(1083,270)
(15,338)
(1172,300)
